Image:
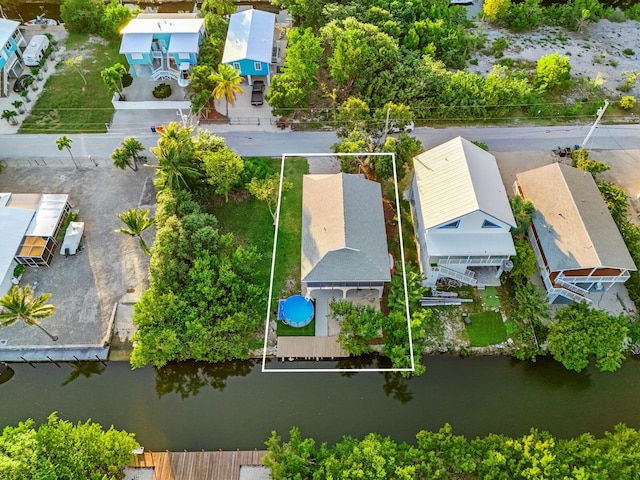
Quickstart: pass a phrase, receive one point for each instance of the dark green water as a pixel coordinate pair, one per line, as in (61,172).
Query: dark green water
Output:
(195,406)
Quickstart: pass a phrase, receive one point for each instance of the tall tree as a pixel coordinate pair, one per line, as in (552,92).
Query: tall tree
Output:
(223,169)
(20,304)
(137,220)
(219,7)
(524,213)
(112,77)
(127,154)
(228,85)
(267,189)
(66,142)
(580,331)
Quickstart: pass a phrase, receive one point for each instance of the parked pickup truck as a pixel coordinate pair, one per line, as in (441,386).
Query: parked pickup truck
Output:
(257,93)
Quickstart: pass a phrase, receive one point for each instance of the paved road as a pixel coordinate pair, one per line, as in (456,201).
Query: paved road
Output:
(21,149)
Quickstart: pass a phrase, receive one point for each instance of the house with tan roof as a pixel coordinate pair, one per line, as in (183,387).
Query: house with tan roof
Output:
(577,244)
(344,241)
(461,215)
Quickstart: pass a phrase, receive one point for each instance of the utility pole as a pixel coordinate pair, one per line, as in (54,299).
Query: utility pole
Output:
(595,124)
(386,126)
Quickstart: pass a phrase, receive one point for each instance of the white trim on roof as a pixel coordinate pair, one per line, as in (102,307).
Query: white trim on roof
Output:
(136,43)
(457,178)
(250,37)
(163,25)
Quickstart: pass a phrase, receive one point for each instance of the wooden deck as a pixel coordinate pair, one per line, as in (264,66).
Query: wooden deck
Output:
(198,465)
(310,348)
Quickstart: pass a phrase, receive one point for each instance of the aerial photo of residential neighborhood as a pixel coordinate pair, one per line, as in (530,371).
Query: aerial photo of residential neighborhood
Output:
(319,239)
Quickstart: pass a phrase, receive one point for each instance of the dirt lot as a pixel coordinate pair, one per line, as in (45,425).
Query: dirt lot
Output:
(85,287)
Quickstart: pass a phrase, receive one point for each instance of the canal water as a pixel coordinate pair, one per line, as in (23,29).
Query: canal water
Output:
(199,406)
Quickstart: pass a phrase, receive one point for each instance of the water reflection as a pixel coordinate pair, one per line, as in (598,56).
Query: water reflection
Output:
(551,375)
(84,369)
(188,378)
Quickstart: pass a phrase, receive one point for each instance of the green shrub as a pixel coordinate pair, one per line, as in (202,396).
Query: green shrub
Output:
(473,61)
(628,52)
(627,102)
(498,47)
(162,91)
(524,16)
(615,15)
(553,71)
(255,167)
(82,16)
(127,80)
(633,12)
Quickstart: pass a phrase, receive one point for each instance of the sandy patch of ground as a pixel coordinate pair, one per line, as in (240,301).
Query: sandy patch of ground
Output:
(250,472)
(596,54)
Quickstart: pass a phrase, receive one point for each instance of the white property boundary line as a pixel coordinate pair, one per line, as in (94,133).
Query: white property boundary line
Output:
(273,264)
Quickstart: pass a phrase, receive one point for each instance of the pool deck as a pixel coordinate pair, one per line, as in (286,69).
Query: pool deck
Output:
(197,465)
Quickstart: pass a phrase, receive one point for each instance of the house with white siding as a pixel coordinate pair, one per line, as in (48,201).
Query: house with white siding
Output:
(461,214)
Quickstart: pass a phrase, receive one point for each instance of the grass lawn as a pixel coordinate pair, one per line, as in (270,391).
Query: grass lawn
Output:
(251,223)
(284,330)
(489,297)
(485,329)
(67,105)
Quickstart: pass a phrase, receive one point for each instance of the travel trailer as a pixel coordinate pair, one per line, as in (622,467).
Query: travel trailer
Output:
(35,50)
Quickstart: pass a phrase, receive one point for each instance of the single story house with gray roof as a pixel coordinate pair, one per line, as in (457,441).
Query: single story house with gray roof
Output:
(577,244)
(344,240)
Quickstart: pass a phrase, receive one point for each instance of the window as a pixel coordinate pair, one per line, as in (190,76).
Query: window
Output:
(136,56)
(8,46)
(455,224)
(257,66)
(236,66)
(488,224)
(184,56)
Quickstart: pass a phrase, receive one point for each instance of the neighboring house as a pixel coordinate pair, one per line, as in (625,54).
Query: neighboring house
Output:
(577,244)
(249,45)
(163,46)
(30,223)
(461,214)
(344,240)
(10,55)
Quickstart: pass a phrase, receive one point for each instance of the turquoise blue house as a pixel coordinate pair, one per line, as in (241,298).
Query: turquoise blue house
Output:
(11,40)
(249,45)
(163,46)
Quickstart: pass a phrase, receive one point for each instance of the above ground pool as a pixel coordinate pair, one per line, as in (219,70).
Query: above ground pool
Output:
(296,311)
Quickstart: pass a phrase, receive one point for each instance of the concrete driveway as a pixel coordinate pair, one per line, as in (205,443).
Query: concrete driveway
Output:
(85,287)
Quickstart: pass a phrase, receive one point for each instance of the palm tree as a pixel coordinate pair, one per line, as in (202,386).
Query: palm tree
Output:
(19,304)
(173,169)
(129,150)
(228,81)
(137,221)
(65,142)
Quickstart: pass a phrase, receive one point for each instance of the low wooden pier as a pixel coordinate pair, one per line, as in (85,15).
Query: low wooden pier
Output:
(314,348)
(198,465)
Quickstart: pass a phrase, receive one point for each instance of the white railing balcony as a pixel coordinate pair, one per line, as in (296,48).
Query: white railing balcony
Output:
(623,277)
(487,260)
(164,74)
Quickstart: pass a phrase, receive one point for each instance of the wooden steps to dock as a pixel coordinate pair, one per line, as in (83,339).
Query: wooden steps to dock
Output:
(198,465)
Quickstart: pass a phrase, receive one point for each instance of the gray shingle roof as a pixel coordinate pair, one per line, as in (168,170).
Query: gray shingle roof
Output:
(343,231)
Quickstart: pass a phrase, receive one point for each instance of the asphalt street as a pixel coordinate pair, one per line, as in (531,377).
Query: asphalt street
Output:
(87,148)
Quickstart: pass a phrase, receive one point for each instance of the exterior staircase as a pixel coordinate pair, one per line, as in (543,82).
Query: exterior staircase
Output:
(167,74)
(468,277)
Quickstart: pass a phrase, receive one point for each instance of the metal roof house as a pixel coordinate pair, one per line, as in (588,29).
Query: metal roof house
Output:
(577,244)
(344,240)
(461,213)
(249,45)
(11,40)
(162,46)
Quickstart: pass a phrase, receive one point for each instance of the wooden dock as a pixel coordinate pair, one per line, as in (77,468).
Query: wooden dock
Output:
(198,465)
(310,348)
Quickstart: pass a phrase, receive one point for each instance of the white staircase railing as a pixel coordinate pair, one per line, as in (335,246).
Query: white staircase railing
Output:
(166,74)
(565,292)
(467,277)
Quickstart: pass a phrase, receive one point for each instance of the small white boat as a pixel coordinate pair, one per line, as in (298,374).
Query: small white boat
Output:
(41,20)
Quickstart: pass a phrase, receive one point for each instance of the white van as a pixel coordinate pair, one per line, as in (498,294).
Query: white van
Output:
(35,50)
